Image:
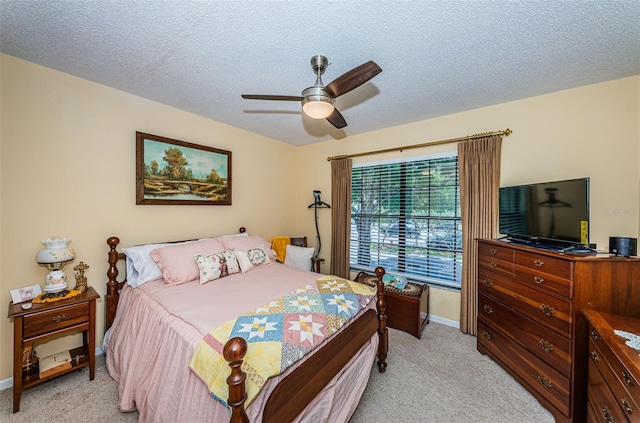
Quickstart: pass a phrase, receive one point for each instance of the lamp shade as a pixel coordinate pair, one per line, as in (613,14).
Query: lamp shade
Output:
(56,250)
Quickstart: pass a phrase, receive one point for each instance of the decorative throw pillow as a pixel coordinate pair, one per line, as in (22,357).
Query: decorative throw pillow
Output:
(253,257)
(244,243)
(299,257)
(216,266)
(176,262)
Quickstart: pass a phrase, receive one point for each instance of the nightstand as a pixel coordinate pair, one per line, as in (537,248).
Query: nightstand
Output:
(44,321)
(316,262)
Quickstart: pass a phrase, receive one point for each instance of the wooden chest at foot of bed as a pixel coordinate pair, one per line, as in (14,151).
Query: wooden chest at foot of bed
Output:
(404,308)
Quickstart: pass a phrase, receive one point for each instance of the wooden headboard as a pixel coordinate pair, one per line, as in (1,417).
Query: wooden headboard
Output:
(113,285)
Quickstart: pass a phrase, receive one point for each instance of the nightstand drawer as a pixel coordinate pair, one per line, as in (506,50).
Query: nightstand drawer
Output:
(56,319)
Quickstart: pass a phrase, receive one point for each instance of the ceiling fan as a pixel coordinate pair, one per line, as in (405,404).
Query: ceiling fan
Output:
(318,101)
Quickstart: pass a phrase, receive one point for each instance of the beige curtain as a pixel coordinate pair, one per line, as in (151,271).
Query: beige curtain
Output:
(340,216)
(479,167)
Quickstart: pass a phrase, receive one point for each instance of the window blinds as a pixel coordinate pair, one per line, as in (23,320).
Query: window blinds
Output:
(405,216)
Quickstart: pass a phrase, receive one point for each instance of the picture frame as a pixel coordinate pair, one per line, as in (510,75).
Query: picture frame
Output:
(170,171)
(26,293)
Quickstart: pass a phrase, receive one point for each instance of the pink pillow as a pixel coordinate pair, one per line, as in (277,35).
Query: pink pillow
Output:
(178,264)
(244,243)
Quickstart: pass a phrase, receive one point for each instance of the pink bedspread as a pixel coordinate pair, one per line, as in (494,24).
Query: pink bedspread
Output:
(157,328)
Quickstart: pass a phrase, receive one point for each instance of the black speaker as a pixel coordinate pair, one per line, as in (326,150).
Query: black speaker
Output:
(621,246)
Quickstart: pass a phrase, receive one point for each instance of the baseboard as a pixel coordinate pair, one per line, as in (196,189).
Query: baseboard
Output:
(8,383)
(442,321)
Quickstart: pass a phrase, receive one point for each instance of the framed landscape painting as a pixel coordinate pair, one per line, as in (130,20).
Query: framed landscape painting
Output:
(169,171)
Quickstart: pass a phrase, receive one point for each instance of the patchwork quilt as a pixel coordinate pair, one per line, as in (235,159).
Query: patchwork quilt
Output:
(279,333)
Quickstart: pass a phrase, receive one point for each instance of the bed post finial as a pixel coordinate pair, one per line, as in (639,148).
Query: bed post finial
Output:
(383,346)
(234,351)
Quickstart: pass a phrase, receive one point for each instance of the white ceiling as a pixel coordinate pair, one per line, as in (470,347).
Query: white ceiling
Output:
(438,57)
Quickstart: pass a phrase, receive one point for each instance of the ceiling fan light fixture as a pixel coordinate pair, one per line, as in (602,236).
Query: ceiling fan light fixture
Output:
(316,103)
(320,108)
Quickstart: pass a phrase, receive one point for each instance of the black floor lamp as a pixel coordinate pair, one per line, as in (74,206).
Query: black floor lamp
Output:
(318,204)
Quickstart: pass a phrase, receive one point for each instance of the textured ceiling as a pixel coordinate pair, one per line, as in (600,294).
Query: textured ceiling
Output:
(438,57)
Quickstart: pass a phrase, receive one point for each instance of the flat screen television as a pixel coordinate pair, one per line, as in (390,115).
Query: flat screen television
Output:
(554,214)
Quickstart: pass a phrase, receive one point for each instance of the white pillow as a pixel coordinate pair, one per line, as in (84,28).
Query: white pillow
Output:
(211,266)
(141,267)
(299,257)
(253,257)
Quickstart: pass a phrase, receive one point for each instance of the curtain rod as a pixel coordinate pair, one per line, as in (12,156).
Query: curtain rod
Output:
(506,133)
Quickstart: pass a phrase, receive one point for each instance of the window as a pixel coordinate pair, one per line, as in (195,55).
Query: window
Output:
(405,216)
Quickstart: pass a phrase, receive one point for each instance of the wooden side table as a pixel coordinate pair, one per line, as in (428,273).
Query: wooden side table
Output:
(317,261)
(43,321)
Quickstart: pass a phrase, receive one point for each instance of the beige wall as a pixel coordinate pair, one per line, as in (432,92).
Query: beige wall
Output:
(589,131)
(56,128)
(68,168)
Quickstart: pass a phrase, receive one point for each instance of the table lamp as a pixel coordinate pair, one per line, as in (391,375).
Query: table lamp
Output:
(55,255)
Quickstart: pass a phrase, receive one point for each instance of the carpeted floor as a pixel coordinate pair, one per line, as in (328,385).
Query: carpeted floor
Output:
(439,378)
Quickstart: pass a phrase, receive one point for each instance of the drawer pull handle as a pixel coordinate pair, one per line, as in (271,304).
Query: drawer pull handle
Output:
(493,264)
(538,263)
(595,335)
(627,378)
(546,345)
(607,415)
(493,251)
(547,309)
(488,309)
(486,335)
(59,318)
(538,279)
(594,356)
(626,406)
(488,282)
(545,382)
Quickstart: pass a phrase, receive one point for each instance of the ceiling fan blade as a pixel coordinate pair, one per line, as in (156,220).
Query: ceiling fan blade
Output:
(336,119)
(272,97)
(353,79)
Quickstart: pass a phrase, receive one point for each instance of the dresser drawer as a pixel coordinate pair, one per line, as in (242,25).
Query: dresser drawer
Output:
(542,342)
(498,267)
(604,406)
(542,263)
(621,383)
(490,251)
(548,310)
(487,278)
(59,318)
(538,279)
(537,374)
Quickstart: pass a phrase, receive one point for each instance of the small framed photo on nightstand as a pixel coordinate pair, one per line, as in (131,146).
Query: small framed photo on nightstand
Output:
(27,293)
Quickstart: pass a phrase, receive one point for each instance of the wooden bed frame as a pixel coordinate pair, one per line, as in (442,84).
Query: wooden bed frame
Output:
(299,388)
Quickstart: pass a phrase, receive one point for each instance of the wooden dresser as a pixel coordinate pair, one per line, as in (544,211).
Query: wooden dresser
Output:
(530,320)
(614,370)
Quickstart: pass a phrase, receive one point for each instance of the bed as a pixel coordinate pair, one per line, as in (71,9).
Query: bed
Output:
(154,330)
